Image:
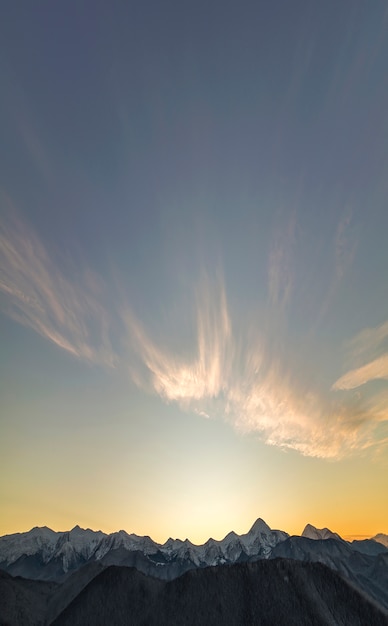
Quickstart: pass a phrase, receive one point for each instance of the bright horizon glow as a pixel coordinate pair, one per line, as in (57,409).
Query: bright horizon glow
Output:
(193,268)
(218,537)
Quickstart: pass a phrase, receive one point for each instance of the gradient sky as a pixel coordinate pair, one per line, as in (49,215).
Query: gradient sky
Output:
(194,264)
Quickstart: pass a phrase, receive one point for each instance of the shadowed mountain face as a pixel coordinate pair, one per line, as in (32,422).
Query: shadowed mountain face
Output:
(23,602)
(357,567)
(368,546)
(279,591)
(266,592)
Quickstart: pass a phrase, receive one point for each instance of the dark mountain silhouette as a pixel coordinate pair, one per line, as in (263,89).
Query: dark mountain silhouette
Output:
(266,592)
(23,602)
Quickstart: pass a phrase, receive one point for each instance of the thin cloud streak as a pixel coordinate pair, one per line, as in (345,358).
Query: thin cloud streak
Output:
(366,346)
(344,251)
(368,341)
(345,245)
(280,270)
(41,297)
(375,370)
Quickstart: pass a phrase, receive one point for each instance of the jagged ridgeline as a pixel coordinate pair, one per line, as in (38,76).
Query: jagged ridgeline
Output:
(68,576)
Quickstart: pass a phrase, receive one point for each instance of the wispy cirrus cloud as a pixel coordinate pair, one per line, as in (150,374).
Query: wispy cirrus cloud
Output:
(237,377)
(345,244)
(205,374)
(230,371)
(368,350)
(368,342)
(24,125)
(375,370)
(39,295)
(280,269)
(344,248)
(367,346)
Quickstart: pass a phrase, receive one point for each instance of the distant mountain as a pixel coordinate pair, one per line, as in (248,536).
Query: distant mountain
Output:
(368,572)
(368,546)
(45,555)
(381,538)
(281,592)
(78,555)
(319,533)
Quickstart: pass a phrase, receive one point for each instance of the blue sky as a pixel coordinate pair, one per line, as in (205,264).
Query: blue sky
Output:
(193,252)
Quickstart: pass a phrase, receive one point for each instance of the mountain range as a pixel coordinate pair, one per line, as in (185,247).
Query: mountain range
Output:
(49,571)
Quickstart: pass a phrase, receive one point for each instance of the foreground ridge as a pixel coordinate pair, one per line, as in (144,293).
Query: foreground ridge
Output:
(266,592)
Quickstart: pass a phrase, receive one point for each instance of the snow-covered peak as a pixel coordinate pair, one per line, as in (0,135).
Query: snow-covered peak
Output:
(77,543)
(122,539)
(171,544)
(68,546)
(77,529)
(39,531)
(381,538)
(12,547)
(261,538)
(258,540)
(232,536)
(259,527)
(310,532)
(77,532)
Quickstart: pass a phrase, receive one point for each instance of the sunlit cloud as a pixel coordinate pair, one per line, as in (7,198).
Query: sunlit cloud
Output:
(369,346)
(231,371)
(207,373)
(39,295)
(366,346)
(236,378)
(368,341)
(375,370)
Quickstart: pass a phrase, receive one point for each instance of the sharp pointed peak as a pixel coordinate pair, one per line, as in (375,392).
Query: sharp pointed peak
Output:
(259,526)
(173,540)
(307,528)
(231,535)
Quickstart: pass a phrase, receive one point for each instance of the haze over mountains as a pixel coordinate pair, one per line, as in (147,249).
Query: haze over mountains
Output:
(69,567)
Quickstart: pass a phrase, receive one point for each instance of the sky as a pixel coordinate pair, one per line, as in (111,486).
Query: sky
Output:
(193,266)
